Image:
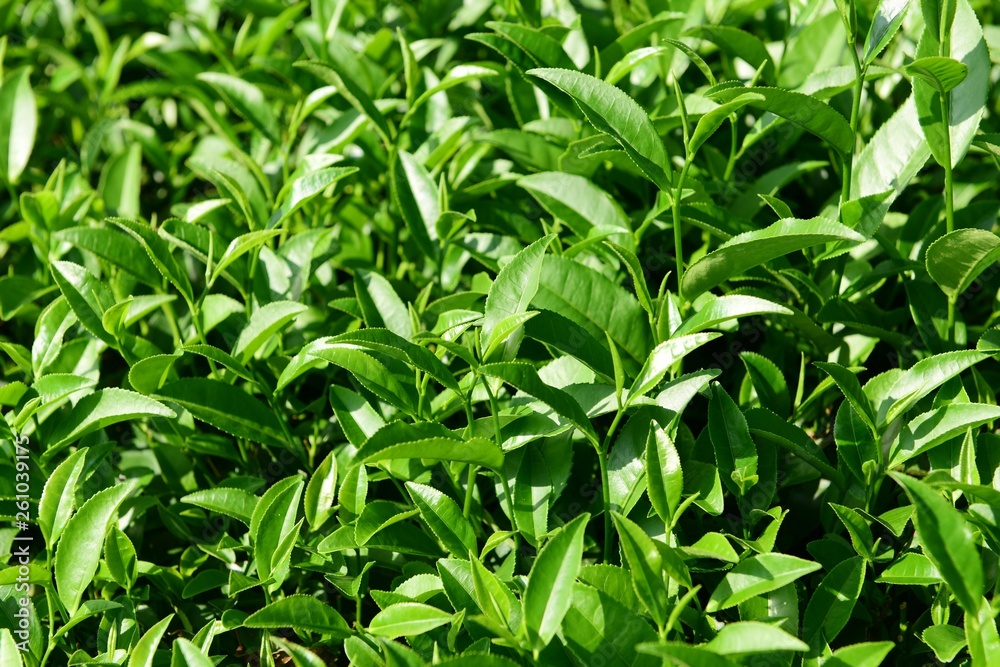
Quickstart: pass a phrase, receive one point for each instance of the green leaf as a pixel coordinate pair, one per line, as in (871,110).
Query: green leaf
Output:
(368,370)
(539,47)
(303,657)
(637,274)
(120,183)
(711,121)
(547,596)
(766,425)
(955,260)
(79,550)
(321,492)
(578,202)
(18,123)
(937,426)
(145,649)
(948,541)
(512,291)
(240,246)
(856,442)
(662,358)
(444,517)
(265,322)
(981,634)
(888,18)
(158,251)
(100,409)
(58,498)
(418,200)
(187,654)
(121,250)
(646,564)
(119,554)
(387,343)
(830,606)
(233,502)
(590,299)
(867,654)
(945,640)
(427,440)
(851,388)
(893,156)
(380,304)
(741,44)
(147,375)
(407,619)
(220,357)
(299,612)
(532,495)
(524,377)
(735,452)
(939,16)
(634,59)
(87,296)
(274,526)
(768,382)
(456,76)
(751,249)
(967,100)
(613,112)
(307,187)
(804,111)
(664,477)
(942,73)
(858,529)
(636,37)
(10,656)
(758,575)
(726,308)
(686,654)
(227,408)
(751,637)
(598,624)
(347,88)
(246,100)
(911,569)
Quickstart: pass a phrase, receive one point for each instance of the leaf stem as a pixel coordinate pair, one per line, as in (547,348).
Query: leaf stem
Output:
(731,163)
(678,251)
(495,410)
(52,624)
(470,486)
(949,184)
(949,197)
(602,460)
(848,160)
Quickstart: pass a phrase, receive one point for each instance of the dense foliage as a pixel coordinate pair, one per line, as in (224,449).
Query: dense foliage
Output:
(499,333)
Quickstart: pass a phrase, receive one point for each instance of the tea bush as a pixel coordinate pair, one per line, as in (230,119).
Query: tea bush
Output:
(499,333)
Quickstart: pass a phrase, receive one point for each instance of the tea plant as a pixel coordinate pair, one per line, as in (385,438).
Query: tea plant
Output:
(499,333)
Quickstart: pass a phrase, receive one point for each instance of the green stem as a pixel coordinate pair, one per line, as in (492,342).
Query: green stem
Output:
(495,410)
(470,486)
(949,200)
(951,318)
(949,184)
(196,319)
(473,469)
(678,256)
(731,164)
(602,460)
(50,645)
(859,85)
